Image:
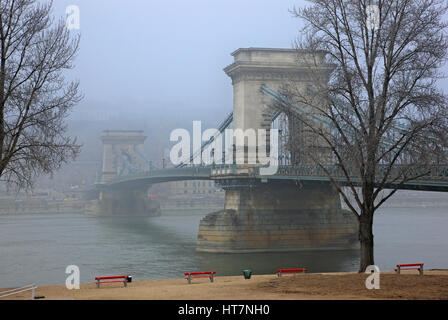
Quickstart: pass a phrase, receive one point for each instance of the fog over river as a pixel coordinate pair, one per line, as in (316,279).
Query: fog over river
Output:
(36,248)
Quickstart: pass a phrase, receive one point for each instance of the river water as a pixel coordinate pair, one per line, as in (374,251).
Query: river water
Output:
(37,248)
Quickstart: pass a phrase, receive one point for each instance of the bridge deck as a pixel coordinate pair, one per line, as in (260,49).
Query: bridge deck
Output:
(436,181)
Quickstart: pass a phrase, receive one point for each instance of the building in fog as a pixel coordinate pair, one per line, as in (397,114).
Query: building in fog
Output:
(201,194)
(198,187)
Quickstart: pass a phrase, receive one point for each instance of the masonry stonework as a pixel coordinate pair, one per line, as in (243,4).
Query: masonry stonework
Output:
(279,217)
(275,215)
(127,202)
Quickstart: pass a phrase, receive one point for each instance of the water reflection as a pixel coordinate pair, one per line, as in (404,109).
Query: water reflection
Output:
(36,248)
(143,229)
(267,263)
(173,238)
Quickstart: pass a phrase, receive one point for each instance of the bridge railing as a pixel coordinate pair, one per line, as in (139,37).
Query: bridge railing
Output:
(435,173)
(432,173)
(191,172)
(30,287)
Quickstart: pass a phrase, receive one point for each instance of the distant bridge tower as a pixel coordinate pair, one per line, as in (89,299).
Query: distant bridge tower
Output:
(122,153)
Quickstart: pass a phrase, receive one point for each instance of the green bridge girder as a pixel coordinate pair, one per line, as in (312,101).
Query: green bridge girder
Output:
(437,180)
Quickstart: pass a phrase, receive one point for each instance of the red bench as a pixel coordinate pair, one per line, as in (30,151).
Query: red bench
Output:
(410,266)
(193,275)
(290,271)
(111,279)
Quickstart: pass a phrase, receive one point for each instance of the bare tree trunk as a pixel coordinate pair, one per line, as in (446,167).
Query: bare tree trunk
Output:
(366,240)
(385,117)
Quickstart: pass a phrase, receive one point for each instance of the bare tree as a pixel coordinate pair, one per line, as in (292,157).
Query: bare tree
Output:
(373,118)
(35,97)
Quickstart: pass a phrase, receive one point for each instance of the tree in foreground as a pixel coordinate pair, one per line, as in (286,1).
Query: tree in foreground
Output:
(35,97)
(382,119)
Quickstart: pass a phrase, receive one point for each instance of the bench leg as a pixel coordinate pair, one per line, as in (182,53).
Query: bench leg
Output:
(189,279)
(97,283)
(211,277)
(420,270)
(125,282)
(279,274)
(398,269)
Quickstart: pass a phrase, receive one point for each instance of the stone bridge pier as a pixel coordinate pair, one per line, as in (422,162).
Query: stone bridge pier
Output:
(128,202)
(273,215)
(278,216)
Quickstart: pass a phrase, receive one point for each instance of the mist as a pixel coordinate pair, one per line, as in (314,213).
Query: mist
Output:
(156,66)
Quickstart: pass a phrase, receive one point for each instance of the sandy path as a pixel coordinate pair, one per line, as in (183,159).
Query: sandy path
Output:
(409,285)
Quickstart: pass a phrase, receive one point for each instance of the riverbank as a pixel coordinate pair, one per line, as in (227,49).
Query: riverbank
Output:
(327,286)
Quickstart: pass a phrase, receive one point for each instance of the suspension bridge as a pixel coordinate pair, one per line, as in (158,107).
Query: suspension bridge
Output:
(296,208)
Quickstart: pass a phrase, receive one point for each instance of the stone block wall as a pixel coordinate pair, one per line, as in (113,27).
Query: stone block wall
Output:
(279,217)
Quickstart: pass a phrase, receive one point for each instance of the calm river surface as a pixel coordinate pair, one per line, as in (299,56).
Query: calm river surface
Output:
(36,248)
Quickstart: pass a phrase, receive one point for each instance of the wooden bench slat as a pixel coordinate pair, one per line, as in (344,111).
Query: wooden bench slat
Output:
(292,270)
(123,279)
(111,277)
(410,264)
(196,273)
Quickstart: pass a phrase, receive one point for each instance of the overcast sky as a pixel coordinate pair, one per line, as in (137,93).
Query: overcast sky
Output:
(166,58)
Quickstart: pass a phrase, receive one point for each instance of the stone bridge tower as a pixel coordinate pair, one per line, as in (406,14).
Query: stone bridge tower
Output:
(121,153)
(253,67)
(274,215)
